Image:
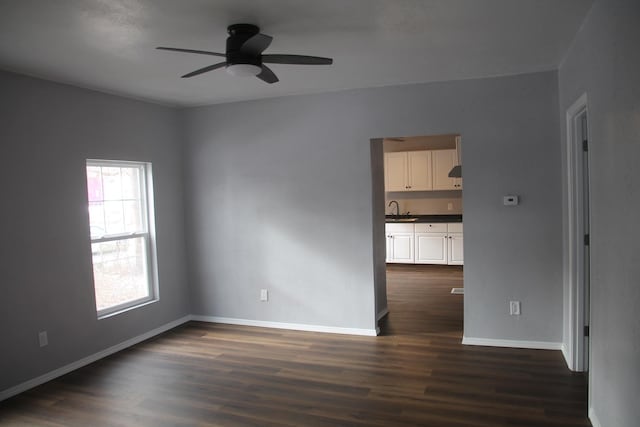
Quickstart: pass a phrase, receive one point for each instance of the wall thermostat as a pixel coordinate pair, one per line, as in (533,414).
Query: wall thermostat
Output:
(510,200)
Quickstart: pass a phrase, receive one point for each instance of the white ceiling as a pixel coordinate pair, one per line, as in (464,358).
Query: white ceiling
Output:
(108,45)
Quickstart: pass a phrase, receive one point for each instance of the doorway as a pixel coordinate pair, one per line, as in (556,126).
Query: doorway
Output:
(578,237)
(423,232)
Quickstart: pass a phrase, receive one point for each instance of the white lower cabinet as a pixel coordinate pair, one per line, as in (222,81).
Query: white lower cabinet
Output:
(425,243)
(400,243)
(455,244)
(431,243)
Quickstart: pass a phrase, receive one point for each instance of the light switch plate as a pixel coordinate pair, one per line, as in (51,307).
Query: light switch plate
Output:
(514,308)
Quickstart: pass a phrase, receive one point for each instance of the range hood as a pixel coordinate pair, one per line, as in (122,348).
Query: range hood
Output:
(456,171)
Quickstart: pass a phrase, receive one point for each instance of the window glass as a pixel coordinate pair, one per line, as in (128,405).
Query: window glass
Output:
(121,246)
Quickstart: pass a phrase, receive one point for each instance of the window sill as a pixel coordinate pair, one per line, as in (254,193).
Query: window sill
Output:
(129,308)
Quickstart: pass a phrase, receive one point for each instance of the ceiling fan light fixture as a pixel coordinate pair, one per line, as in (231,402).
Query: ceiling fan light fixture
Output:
(243,70)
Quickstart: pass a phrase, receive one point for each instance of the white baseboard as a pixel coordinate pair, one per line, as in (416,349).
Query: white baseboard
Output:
(379,316)
(489,342)
(567,357)
(5,394)
(281,325)
(382,313)
(595,422)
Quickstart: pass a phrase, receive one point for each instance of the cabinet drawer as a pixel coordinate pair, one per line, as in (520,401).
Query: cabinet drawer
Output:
(454,227)
(399,228)
(431,228)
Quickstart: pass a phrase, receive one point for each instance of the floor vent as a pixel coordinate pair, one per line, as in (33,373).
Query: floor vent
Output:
(458,291)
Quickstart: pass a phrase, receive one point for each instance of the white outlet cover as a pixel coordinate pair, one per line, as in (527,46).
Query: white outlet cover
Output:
(264,295)
(43,339)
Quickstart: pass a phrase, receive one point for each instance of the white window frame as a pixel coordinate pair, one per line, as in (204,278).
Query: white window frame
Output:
(148,235)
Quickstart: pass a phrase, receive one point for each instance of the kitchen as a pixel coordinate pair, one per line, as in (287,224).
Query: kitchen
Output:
(423,198)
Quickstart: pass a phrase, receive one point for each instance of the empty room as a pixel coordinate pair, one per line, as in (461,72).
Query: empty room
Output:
(252,213)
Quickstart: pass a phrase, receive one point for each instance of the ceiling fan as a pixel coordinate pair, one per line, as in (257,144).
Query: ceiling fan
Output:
(244,57)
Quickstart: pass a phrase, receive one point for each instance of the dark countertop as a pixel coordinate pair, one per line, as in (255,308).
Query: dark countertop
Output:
(425,218)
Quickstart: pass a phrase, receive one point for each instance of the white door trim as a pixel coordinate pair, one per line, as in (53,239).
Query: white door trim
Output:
(574,258)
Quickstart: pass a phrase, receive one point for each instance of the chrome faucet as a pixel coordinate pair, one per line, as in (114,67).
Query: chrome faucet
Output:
(397,207)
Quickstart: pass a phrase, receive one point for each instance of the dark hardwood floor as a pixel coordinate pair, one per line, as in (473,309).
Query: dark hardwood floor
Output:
(416,374)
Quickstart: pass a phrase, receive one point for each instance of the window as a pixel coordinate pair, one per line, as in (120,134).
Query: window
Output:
(121,228)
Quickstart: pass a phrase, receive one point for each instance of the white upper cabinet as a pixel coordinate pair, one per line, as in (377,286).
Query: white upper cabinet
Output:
(408,171)
(420,170)
(443,162)
(395,171)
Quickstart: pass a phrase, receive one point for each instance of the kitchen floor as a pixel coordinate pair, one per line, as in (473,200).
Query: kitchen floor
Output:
(420,300)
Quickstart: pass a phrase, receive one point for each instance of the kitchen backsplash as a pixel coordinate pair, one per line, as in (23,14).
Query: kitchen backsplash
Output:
(425,202)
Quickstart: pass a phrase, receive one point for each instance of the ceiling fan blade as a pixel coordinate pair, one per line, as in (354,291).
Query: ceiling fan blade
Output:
(267,75)
(296,59)
(256,44)
(200,52)
(205,69)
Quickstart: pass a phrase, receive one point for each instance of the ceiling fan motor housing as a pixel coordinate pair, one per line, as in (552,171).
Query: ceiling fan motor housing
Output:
(238,35)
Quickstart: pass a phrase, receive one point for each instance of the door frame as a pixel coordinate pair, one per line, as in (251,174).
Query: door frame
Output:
(576,262)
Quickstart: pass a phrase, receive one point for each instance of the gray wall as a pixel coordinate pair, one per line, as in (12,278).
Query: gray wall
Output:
(280,197)
(47,131)
(604,62)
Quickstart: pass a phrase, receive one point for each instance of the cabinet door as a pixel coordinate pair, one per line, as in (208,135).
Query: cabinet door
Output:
(395,171)
(443,161)
(402,248)
(420,171)
(456,249)
(389,257)
(431,248)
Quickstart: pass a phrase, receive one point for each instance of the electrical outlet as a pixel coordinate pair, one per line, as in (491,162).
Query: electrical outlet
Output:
(514,308)
(449,206)
(264,295)
(43,339)
(510,200)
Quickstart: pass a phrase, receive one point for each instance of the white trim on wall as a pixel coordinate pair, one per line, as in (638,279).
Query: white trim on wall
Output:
(379,317)
(574,263)
(565,354)
(382,313)
(595,422)
(5,394)
(282,325)
(490,342)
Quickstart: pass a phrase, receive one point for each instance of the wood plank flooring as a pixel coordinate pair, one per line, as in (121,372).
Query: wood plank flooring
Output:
(416,374)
